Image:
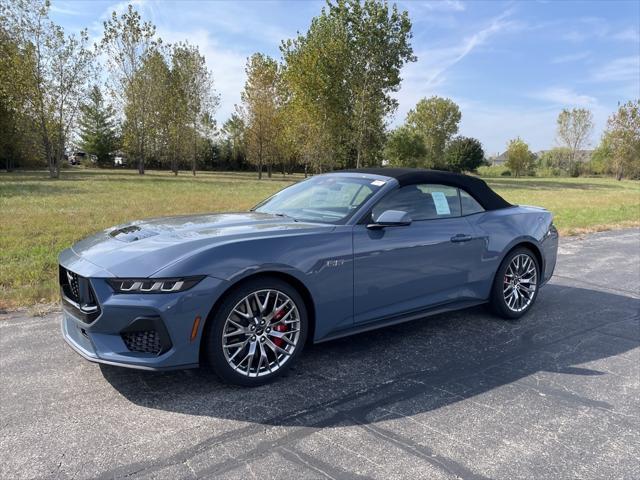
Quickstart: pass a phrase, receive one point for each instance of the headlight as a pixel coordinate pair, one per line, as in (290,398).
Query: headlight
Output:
(152,285)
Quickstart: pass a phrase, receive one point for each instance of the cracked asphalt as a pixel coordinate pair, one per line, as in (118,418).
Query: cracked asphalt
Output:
(463,395)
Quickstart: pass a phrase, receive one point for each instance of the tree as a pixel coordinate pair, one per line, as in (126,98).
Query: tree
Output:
(378,39)
(233,131)
(55,80)
(622,138)
(574,128)
(340,76)
(405,148)
(316,97)
(520,160)
(260,111)
(194,84)
(126,43)
(464,154)
(97,127)
(436,120)
(18,137)
(557,158)
(600,162)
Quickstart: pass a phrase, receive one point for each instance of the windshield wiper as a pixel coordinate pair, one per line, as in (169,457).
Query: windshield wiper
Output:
(285,215)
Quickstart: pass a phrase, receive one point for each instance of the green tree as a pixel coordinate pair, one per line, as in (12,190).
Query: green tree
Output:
(520,160)
(600,161)
(193,84)
(56,76)
(622,138)
(233,132)
(340,77)
(405,148)
(127,41)
(18,136)
(574,127)
(161,112)
(378,39)
(464,154)
(556,160)
(317,99)
(97,127)
(260,111)
(436,120)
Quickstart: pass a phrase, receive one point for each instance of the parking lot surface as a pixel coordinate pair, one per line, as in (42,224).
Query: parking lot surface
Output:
(465,395)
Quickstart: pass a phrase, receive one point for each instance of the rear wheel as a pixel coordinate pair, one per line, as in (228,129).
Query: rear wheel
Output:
(515,286)
(257,333)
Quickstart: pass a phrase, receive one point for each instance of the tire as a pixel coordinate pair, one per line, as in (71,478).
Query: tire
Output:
(235,330)
(509,278)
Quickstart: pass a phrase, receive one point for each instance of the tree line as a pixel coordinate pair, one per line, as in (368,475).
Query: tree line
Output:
(617,154)
(324,104)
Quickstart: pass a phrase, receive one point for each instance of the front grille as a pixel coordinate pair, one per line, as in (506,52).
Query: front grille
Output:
(74,286)
(78,296)
(147,341)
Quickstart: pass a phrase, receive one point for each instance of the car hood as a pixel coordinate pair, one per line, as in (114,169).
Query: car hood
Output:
(141,248)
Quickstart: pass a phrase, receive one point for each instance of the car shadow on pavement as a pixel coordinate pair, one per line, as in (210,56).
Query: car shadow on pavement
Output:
(411,368)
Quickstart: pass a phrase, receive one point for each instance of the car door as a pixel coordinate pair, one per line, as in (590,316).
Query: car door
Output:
(402,269)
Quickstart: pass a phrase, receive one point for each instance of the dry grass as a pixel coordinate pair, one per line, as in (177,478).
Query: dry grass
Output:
(40,217)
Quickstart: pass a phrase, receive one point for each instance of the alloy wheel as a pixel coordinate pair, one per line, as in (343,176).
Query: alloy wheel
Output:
(261,333)
(520,282)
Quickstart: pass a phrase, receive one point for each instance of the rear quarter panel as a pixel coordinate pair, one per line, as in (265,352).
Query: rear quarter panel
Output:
(504,229)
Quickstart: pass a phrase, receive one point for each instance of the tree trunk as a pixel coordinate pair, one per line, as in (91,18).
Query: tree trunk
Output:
(50,160)
(195,149)
(259,170)
(269,168)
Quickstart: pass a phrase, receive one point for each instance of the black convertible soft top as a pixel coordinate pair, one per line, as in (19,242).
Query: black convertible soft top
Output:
(476,187)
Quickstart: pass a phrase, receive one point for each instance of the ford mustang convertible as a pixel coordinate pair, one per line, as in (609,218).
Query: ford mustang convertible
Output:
(331,256)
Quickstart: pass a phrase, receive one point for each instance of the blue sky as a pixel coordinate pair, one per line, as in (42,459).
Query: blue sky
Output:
(511,66)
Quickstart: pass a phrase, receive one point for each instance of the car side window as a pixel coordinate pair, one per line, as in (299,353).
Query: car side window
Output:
(469,204)
(422,202)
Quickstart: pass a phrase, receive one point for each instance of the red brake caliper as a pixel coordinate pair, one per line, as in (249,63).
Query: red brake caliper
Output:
(281,327)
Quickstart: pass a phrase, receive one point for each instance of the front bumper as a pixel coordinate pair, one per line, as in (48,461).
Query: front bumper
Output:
(111,338)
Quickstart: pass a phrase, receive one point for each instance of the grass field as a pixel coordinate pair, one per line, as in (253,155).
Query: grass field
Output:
(39,217)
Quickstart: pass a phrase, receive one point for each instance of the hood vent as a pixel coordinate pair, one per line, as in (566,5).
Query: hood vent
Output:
(132,233)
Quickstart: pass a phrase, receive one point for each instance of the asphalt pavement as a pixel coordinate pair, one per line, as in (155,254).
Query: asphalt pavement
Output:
(554,395)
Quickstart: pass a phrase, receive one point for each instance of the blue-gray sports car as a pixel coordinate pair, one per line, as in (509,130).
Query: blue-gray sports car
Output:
(331,256)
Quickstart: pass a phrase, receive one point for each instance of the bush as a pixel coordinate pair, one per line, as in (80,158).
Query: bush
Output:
(548,172)
(492,170)
(506,173)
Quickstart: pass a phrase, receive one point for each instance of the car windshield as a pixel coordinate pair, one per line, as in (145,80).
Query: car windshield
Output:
(325,199)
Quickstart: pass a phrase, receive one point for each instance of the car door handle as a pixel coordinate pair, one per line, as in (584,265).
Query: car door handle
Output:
(461,238)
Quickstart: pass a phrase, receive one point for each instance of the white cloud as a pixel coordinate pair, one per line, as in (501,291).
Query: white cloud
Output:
(564,97)
(448,57)
(628,35)
(426,77)
(625,69)
(440,6)
(572,57)
(61,9)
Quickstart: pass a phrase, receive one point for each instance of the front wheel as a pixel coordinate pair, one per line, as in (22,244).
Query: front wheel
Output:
(515,286)
(257,333)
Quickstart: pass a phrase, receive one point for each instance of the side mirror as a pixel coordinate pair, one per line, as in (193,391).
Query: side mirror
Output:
(391,218)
